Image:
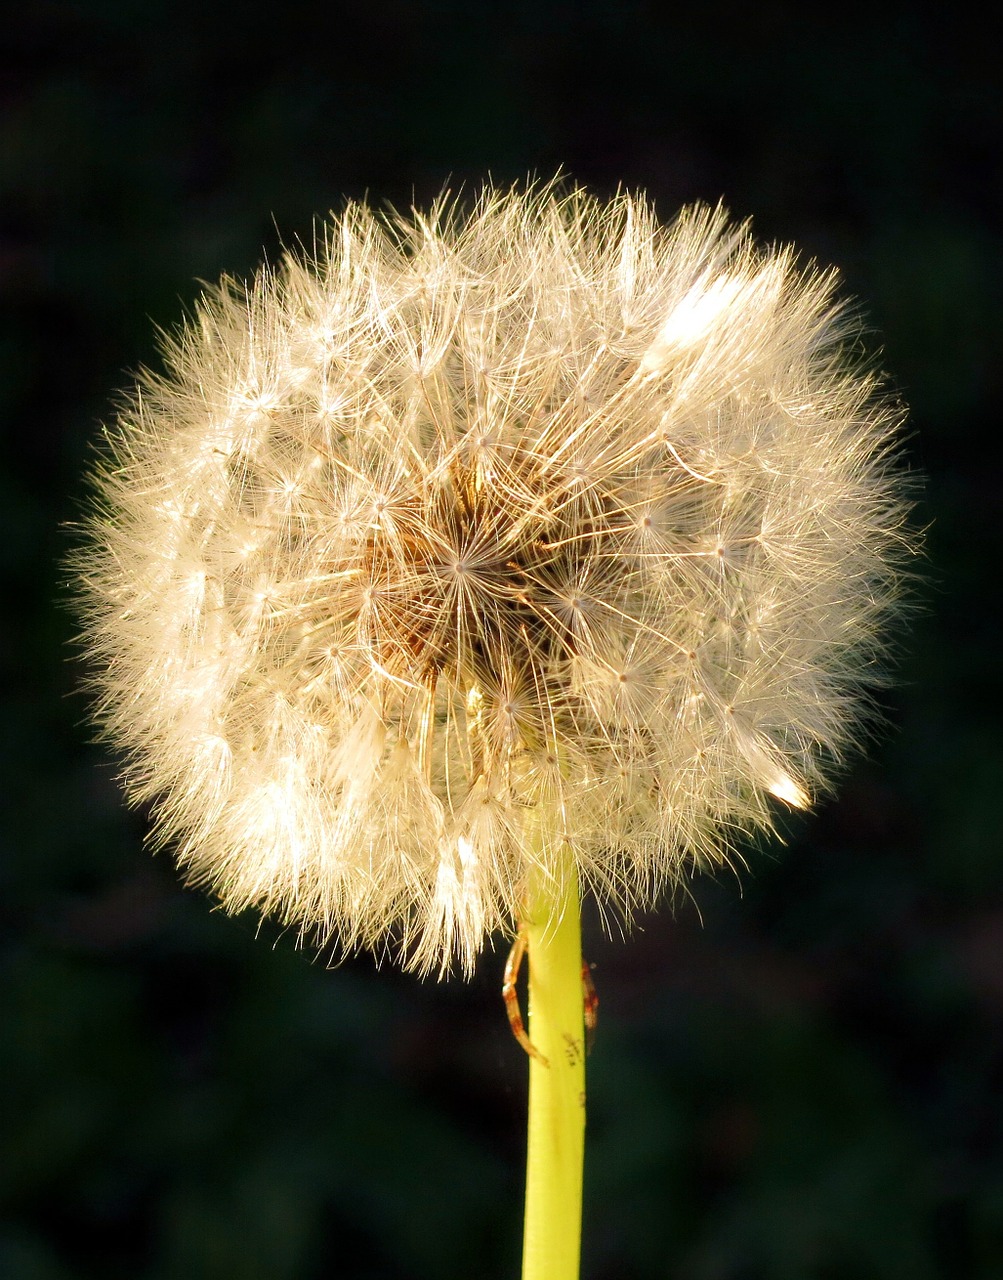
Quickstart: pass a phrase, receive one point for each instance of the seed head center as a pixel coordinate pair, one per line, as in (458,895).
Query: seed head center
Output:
(470,577)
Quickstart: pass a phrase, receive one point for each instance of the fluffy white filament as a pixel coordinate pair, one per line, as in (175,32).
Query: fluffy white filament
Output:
(541,515)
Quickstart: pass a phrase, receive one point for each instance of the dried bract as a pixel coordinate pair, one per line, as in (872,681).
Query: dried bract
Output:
(475,538)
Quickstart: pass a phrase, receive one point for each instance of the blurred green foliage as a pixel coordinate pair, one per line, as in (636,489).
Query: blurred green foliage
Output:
(797,1082)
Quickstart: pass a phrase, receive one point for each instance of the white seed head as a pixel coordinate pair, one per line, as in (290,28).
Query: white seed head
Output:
(475,538)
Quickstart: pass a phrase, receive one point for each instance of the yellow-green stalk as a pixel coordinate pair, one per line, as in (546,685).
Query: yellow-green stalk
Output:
(556,1139)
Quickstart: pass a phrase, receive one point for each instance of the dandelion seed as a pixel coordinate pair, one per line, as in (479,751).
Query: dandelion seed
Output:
(541,515)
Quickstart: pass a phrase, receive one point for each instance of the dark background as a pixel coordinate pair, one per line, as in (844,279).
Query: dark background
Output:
(796,1078)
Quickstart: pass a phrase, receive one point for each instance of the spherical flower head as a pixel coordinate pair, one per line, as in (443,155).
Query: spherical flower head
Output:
(475,543)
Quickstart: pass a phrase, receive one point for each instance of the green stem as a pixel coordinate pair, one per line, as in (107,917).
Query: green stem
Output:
(556,1146)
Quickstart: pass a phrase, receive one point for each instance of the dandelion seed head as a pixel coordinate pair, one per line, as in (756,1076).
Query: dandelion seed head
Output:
(481,536)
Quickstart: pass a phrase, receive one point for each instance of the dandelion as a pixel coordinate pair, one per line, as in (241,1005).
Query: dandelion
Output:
(474,556)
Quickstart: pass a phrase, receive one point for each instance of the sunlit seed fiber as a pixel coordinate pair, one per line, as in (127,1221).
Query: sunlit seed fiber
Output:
(538,515)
